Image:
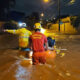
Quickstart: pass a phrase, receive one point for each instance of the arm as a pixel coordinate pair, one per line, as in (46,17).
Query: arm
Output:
(12,31)
(46,46)
(30,33)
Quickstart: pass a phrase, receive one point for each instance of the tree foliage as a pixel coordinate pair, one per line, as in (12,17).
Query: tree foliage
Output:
(32,19)
(5,6)
(75,21)
(10,25)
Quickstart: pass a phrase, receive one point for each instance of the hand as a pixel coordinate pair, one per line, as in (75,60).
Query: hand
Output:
(46,49)
(4,30)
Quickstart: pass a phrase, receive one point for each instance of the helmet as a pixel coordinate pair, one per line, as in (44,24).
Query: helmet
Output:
(22,25)
(37,26)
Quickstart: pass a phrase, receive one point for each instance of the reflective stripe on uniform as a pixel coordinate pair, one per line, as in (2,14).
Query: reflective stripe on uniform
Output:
(23,37)
(14,31)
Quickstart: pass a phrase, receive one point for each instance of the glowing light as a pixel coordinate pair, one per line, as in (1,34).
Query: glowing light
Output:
(72,2)
(54,18)
(31,53)
(42,14)
(20,24)
(43,30)
(46,1)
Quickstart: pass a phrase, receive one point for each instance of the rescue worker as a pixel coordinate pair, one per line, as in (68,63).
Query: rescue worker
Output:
(38,40)
(23,36)
(51,42)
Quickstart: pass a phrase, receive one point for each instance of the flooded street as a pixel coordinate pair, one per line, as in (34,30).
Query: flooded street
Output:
(66,65)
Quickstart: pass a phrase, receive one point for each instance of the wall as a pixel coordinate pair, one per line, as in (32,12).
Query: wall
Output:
(65,27)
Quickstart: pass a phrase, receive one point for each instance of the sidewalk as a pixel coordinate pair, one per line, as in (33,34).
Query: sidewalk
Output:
(65,36)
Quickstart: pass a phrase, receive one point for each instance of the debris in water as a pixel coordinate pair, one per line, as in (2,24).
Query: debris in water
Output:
(58,51)
(62,54)
(68,74)
(60,74)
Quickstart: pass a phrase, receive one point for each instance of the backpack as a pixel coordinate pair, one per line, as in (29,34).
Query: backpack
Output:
(51,42)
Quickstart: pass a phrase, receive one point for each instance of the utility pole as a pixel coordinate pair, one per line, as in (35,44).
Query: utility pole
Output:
(59,13)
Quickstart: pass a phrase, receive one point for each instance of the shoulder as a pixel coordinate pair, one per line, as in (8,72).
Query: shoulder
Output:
(20,29)
(33,34)
(42,34)
(28,31)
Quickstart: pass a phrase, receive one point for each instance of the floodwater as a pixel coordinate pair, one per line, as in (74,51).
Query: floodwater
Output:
(66,65)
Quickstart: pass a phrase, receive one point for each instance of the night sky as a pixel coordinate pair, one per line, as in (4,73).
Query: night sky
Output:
(71,7)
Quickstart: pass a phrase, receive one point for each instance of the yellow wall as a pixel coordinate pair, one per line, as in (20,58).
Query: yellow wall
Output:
(66,27)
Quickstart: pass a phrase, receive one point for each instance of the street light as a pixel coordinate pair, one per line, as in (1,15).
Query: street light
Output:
(46,1)
(42,14)
(41,17)
(59,13)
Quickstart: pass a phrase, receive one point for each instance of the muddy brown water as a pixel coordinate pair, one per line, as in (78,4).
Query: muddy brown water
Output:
(62,68)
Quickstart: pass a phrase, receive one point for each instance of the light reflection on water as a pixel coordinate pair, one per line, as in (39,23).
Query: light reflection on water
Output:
(23,72)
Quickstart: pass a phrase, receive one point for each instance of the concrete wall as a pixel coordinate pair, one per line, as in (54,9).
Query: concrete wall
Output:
(65,27)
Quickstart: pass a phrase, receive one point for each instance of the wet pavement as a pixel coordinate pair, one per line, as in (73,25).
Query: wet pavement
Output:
(66,65)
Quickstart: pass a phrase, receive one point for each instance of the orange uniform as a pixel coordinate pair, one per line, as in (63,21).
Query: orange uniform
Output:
(38,41)
(42,57)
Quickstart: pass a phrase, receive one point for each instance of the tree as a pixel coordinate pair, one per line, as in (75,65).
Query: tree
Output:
(5,6)
(75,21)
(33,18)
(10,25)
